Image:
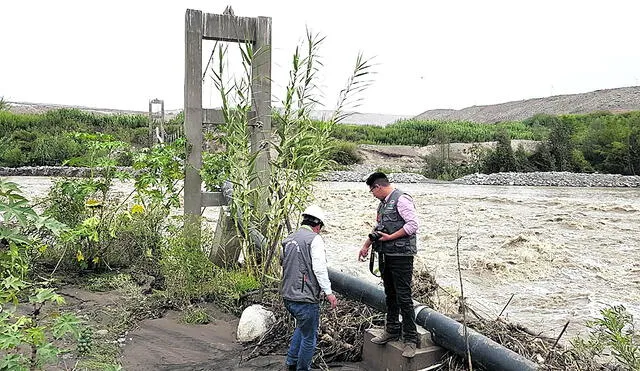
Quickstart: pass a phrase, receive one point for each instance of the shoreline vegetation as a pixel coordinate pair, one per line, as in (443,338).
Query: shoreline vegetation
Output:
(601,142)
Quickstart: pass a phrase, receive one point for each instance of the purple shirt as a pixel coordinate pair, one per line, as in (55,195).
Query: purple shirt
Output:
(407,211)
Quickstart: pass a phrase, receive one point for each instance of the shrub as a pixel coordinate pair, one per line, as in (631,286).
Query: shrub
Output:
(66,199)
(501,159)
(190,275)
(188,272)
(4,105)
(27,340)
(54,150)
(195,316)
(12,157)
(612,333)
(345,153)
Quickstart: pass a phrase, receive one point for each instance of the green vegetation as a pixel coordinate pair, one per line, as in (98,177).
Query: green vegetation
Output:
(344,153)
(4,105)
(31,340)
(303,145)
(48,139)
(423,133)
(195,316)
(603,142)
(613,335)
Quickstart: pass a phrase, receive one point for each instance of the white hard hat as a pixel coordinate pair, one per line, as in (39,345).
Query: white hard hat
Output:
(316,212)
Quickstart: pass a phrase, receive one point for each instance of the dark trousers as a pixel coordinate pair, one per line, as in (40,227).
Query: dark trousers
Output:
(397,273)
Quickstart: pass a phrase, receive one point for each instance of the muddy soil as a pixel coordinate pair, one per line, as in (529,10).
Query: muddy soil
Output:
(166,344)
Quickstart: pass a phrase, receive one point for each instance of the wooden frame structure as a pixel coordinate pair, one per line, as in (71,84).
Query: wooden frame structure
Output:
(222,27)
(156,120)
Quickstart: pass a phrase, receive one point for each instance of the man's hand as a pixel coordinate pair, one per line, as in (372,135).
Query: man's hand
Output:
(364,251)
(333,300)
(384,236)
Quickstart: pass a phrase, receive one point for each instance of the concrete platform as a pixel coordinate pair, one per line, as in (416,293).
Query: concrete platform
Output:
(389,357)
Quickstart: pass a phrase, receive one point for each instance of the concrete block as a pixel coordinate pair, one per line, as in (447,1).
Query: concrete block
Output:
(389,357)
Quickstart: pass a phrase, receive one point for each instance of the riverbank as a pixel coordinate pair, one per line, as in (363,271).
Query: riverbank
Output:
(534,179)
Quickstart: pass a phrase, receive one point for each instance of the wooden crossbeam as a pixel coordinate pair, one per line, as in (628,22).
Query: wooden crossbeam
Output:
(229,28)
(212,199)
(215,117)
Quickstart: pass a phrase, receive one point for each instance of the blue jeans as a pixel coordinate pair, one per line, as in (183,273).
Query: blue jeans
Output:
(303,342)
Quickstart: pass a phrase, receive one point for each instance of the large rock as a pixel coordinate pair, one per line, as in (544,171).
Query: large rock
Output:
(254,322)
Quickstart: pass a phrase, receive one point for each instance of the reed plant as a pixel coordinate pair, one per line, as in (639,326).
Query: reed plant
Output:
(299,147)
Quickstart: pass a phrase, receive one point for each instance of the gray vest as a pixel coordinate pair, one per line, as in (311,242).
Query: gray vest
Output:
(389,217)
(299,283)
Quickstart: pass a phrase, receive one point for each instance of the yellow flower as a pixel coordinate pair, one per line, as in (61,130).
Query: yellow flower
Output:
(93,203)
(42,248)
(137,209)
(96,260)
(79,256)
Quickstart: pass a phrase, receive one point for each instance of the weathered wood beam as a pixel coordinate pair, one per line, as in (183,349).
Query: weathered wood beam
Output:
(193,119)
(213,199)
(212,116)
(261,98)
(229,28)
(215,116)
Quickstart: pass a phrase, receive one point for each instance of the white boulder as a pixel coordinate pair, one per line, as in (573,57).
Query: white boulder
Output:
(254,322)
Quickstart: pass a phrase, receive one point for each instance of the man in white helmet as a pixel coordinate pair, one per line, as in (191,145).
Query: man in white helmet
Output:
(304,279)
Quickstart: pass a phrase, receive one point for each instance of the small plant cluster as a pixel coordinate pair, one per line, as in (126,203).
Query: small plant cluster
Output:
(106,231)
(195,316)
(613,336)
(4,105)
(189,275)
(33,338)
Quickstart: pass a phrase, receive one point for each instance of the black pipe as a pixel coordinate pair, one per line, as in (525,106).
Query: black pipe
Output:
(444,331)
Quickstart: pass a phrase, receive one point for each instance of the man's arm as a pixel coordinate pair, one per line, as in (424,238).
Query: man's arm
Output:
(319,264)
(407,210)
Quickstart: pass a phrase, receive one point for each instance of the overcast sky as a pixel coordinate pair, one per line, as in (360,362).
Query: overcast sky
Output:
(428,54)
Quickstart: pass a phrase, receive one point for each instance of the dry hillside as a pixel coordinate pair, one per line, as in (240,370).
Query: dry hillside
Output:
(611,100)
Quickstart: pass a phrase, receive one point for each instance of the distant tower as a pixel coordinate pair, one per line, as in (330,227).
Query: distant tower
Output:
(156,122)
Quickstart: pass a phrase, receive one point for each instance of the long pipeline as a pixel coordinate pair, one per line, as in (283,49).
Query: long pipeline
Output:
(444,331)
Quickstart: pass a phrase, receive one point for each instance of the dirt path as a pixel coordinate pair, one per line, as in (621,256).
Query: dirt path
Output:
(165,344)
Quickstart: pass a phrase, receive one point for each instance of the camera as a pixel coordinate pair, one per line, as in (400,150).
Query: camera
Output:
(375,235)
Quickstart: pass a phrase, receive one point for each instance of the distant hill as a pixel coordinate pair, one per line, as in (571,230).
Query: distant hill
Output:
(610,100)
(360,118)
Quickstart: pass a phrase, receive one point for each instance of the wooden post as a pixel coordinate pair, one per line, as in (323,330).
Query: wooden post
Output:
(261,98)
(223,27)
(193,121)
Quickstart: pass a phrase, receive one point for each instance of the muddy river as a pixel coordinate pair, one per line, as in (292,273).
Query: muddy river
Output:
(563,253)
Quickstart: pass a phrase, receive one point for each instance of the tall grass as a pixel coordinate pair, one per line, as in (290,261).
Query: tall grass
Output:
(3,104)
(302,146)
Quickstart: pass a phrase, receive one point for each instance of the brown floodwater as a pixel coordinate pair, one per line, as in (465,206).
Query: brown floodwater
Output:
(564,253)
